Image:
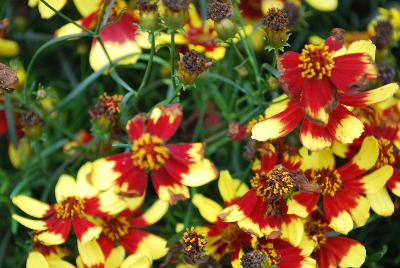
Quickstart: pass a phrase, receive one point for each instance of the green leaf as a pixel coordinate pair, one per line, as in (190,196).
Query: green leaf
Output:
(271,69)
(377,256)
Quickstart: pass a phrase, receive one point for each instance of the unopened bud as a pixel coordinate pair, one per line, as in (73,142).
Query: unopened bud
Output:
(31,124)
(176,13)
(149,17)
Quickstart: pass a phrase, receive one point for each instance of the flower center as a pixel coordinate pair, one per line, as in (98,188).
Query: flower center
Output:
(70,207)
(230,233)
(115,227)
(316,61)
(193,245)
(328,179)
(316,230)
(275,183)
(386,153)
(148,152)
(269,250)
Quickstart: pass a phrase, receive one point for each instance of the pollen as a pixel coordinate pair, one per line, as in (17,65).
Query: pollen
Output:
(273,257)
(316,61)
(386,153)
(193,245)
(316,230)
(70,207)
(275,183)
(149,152)
(115,227)
(328,179)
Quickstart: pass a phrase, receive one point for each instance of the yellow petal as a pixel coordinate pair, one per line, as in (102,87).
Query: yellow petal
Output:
(65,187)
(366,158)
(153,246)
(343,223)
(240,187)
(278,105)
(68,29)
(316,160)
(307,245)
(248,225)
(47,13)
(103,175)
(137,260)
(8,48)
(31,206)
(381,93)
(195,19)
(362,46)
(293,231)
(59,263)
(50,239)
(208,208)
(90,234)
(231,214)
(33,3)
(217,53)
(269,129)
(316,40)
(381,202)
(116,257)
(156,212)
(86,7)
(360,213)
(226,187)
(31,224)
(374,181)
(91,253)
(199,173)
(355,257)
(36,260)
(85,188)
(340,149)
(323,5)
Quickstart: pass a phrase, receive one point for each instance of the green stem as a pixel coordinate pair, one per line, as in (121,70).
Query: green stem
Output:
(237,51)
(149,64)
(172,52)
(65,17)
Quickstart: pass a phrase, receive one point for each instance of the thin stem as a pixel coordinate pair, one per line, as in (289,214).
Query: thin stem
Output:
(237,51)
(65,17)
(149,64)
(172,52)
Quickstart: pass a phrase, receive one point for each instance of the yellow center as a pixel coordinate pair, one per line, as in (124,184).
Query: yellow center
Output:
(273,256)
(386,153)
(316,61)
(149,152)
(316,230)
(115,227)
(328,179)
(69,207)
(194,243)
(275,183)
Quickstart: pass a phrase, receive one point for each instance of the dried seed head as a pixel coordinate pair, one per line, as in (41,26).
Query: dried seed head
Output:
(105,114)
(176,5)
(8,77)
(254,259)
(191,65)
(31,124)
(219,10)
(293,13)
(146,5)
(386,73)
(276,20)
(383,36)
(193,246)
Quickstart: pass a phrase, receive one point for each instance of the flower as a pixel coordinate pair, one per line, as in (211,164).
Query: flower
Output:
(121,36)
(328,250)
(125,229)
(222,237)
(172,167)
(76,202)
(280,253)
(263,210)
(191,65)
(324,118)
(342,189)
(84,7)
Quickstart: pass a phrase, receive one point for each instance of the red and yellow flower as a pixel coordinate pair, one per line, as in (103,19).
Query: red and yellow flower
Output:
(77,203)
(330,251)
(263,210)
(172,167)
(83,6)
(125,229)
(343,188)
(281,254)
(223,237)
(121,36)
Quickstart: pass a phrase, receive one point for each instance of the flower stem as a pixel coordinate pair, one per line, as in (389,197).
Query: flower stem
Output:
(149,64)
(172,52)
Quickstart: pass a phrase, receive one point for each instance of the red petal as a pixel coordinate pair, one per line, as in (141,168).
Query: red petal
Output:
(124,29)
(56,226)
(268,162)
(314,136)
(168,188)
(187,153)
(132,240)
(3,122)
(291,73)
(135,126)
(81,226)
(325,259)
(106,244)
(164,121)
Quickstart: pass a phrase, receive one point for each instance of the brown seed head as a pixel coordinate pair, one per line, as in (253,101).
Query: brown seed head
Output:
(176,5)
(219,10)
(276,20)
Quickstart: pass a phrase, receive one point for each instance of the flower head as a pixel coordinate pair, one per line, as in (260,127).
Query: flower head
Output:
(191,65)
(193,246)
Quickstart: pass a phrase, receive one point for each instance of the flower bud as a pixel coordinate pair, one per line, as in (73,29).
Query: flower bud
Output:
(31,124)
(220,12)
(276,25)
(149,17)
(176,13)
(105,114)
(191,65)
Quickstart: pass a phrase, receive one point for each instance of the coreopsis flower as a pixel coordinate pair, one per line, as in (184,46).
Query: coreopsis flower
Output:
(277,253)
(91,256)
(77,201)
(191,65)
(120,35)
(223,237)
(125,229)
(172,167)
(342,189)
(327,250)
(319,95)
(263,210)
(46,13)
